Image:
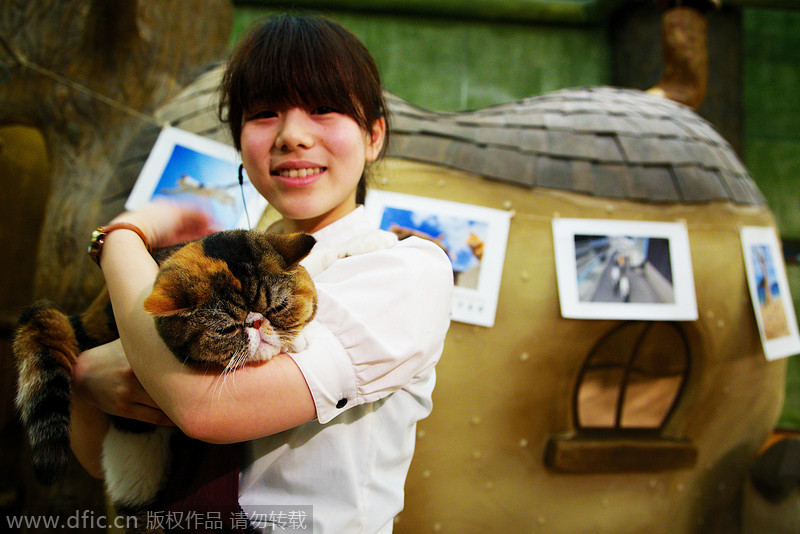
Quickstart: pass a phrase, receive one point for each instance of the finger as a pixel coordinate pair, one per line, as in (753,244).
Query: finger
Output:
(135,394)
(166,223)
(193,226)
(138,396)
(147,414)
(198,224)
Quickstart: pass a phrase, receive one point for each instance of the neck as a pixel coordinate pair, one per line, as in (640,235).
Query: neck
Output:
(309,226)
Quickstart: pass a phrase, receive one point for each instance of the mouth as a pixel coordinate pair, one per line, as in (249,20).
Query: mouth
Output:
(263,344)
(298,177)
(298,173)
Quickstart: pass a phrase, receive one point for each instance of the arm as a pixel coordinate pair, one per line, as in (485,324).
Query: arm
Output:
(382,319)
(88,427)
(252,402)
(102,384)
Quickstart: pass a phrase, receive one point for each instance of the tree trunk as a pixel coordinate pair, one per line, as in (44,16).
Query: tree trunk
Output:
(87,74)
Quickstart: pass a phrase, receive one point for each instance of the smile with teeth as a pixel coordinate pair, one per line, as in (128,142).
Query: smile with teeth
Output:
(298,173)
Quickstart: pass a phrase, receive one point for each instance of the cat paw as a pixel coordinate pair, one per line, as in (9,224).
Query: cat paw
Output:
(300,343)
(320,260)
(371,242)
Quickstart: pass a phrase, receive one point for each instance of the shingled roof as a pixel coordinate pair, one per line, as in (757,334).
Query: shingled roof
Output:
(600,141)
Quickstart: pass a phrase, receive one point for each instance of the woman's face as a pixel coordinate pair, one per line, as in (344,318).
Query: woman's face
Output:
(307,163)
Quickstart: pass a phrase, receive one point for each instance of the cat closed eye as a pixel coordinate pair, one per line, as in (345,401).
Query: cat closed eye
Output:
(228,330)
(277,309)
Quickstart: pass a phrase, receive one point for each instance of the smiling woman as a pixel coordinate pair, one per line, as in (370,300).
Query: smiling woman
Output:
(314,127)
(304,104)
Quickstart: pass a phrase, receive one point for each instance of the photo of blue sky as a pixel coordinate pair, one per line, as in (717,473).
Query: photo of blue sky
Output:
(205,182)
(451,232)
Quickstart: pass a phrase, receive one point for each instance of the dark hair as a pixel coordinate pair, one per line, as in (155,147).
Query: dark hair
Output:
(301,61)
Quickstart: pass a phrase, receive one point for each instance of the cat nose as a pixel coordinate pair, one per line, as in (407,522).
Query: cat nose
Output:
(254,320)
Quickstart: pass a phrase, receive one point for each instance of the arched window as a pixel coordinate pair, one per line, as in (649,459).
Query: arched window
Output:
(629,385)
(632,378)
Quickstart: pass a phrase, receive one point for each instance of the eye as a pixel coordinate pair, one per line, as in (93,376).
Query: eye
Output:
(323,110)
(228,330)
(262,114)
(278,309)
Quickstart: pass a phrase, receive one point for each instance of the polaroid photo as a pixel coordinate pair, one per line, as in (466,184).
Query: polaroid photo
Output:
(187,168)
(612,269)
(474,238)
(769,292)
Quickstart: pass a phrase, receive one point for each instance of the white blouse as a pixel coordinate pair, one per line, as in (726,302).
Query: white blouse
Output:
(378,334)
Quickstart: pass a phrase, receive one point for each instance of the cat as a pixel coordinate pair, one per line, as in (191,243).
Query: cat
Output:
(322,258)
(223,301)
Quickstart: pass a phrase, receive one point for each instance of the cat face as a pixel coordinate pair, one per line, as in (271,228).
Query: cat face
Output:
(233,297)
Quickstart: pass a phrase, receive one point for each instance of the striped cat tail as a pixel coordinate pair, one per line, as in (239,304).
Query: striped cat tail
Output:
(45,350)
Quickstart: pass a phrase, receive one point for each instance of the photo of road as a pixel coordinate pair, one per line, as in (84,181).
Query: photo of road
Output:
(620,269)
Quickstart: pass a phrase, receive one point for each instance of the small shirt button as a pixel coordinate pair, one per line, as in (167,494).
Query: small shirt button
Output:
(341,403)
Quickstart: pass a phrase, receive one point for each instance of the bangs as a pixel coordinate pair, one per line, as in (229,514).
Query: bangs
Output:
(301,63)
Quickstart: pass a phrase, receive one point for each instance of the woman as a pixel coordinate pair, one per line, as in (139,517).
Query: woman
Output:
(331,427)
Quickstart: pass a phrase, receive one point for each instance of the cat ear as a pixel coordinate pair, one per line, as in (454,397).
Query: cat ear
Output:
(292,247)
(163,303)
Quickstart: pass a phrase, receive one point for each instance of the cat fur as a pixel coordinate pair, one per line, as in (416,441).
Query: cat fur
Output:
(136,454)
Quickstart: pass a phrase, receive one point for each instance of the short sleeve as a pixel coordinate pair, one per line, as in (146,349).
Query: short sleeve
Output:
(380,326)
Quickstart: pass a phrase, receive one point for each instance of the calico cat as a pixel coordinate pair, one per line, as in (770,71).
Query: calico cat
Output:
(223,301)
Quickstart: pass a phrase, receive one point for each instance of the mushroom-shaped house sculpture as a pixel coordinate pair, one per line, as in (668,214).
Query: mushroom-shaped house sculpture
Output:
(543,423)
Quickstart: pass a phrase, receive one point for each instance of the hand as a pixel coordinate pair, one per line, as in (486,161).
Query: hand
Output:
(103,378)
(167,223)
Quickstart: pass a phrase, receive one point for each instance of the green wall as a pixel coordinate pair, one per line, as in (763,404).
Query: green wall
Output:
(772,110)
(449,65)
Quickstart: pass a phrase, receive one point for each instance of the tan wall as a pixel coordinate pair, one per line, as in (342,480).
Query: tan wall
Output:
(502,392)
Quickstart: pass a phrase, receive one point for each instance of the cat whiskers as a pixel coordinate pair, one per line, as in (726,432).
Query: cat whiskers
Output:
(236,361)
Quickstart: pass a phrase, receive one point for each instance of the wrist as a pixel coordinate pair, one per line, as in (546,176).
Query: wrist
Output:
(100,235)
(81,392)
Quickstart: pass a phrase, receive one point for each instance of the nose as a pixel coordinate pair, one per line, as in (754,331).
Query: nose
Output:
(254,320)
(295,131)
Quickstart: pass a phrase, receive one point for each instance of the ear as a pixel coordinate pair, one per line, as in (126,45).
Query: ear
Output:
(375,139)
(172,294)
(292,247)
(164,303)
(161,305)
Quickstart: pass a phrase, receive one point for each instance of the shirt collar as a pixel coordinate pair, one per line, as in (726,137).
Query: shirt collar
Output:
(344,229)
